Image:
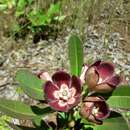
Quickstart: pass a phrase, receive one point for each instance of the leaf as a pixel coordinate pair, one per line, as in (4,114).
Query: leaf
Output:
(3,7)
(20,110)
(38,122)
(120,98)
(17,127)
(16,109)
(20,7)
(75,55)
(54,8)
(30,84)
(37,17)
(115,122)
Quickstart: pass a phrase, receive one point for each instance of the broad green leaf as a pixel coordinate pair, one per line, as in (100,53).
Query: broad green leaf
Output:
(20,110)
(30,84)
(115,122)
(75,55)
(120,98)
(39,122)
(16,109)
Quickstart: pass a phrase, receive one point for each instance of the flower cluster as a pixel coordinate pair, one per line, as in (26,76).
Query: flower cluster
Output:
(63,92)
(100,77)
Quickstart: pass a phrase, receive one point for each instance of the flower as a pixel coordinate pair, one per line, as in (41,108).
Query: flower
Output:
(62,91)
(101,77)
(95,109)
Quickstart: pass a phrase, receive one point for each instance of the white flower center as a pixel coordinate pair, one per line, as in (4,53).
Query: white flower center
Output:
(65,94)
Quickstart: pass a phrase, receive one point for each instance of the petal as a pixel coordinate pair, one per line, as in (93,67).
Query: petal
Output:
(71,100)
(49,90)
(61,77)
(72,92)
(103,111)
(86,109)
(76,83)
(93,99)
(45,76)
(83,72)
(56,94)
(91,78)
(96,64)
(114,81)
(105,70)
(77,100)
(59,105)
(64,87)
(94,120)
(104,88)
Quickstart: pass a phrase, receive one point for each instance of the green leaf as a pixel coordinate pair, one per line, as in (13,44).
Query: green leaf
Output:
(120,98)
(115,122)
(39,122)
(54,8)
(31,84)
(20,110)
(37,17)
(3,7)
(75,55)
(20,7)
(16,109)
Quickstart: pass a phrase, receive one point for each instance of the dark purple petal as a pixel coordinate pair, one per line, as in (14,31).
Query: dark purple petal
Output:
(76,83)
(105,70)
(96,64)
(49,89)
(61,77)
(103,111)
(55,105)
(114,81)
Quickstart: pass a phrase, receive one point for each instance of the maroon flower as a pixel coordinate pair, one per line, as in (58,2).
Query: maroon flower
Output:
(62,91)
(95,109)
(101,77)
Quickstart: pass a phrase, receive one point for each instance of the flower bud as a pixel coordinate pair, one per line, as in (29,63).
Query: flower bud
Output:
(101,77)
(95,109)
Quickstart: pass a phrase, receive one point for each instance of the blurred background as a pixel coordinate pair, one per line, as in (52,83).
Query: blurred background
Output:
(34,35)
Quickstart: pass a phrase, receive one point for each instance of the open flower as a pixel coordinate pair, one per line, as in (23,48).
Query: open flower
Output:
(101,77)
(62,91)
(95,109)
